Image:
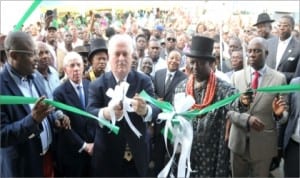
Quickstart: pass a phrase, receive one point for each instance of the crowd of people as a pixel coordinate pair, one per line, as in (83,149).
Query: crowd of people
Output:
(79,64)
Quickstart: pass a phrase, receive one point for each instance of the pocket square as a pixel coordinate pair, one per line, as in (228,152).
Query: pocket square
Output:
(291,58)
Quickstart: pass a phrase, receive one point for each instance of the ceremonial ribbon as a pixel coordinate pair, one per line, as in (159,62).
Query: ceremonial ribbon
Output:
(175,118)
(166,107)
(27,14)
(29,100)
(182,134)
(118,96)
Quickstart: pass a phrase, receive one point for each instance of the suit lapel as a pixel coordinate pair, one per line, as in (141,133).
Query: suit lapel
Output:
(86,89)
(173,82)
(110,80)
(287,52)
(274,54)
(12,86)
(72,95)
(132,81)
(162,81)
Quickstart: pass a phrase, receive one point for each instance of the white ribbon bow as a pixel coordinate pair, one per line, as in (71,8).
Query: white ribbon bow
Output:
(182,133)
(119,95)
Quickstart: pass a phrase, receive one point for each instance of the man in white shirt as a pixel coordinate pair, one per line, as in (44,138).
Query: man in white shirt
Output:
(284,51)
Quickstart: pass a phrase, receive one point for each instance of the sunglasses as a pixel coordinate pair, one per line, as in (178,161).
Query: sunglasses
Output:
(171,39)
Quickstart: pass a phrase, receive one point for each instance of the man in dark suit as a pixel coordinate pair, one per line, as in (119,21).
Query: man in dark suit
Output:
(124,154)
(162,88)
(284,51)
(26,130)
(291,135)
(165,82)
(75,146)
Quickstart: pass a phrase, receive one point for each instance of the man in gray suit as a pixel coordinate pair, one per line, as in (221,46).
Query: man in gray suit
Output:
(253,134)
(284,51)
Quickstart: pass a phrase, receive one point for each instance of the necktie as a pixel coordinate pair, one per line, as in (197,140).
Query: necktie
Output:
(254,83)
(168,82)
(81,96)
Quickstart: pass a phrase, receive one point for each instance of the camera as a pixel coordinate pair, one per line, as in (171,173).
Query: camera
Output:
(247,97)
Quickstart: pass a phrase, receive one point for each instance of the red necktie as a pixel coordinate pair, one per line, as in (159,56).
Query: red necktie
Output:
(254,84)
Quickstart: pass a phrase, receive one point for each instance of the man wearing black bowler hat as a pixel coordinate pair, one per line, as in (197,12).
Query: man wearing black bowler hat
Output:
(264,26)
(97,58)
(209,154)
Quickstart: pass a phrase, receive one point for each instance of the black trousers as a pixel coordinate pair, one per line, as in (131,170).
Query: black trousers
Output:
(291,159)
(129,169)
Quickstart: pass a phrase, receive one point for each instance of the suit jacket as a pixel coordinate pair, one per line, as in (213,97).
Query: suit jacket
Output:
(159,84)
(262,145)
(108,147)
(294,111)
(289,60)
(20,134)
(297,72)
(69,142)
(158,149)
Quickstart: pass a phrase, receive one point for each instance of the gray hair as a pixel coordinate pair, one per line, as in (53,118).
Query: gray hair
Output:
(118,39)
(71,56)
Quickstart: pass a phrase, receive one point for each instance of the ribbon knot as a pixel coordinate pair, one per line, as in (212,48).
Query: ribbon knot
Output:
(182,132)
(118,96)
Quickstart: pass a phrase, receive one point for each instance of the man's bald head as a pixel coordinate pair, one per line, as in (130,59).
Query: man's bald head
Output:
(261,41)
(21,52)
(18,40)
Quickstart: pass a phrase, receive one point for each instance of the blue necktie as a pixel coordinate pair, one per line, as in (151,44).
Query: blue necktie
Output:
(81,96)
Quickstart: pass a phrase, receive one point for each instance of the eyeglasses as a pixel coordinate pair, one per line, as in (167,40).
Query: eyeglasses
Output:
(30,53)
(254,51)
(171,39)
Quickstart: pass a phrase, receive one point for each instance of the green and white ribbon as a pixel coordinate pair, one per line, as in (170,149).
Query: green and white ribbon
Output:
(118,95)
(174,117)
(4,99)
(182,134)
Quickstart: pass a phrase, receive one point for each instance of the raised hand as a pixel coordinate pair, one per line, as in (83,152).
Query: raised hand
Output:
(279,105)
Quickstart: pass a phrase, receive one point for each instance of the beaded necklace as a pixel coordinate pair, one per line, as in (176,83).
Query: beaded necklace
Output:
(209,93)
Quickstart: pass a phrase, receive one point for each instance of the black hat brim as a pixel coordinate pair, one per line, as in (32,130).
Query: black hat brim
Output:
(267,21)
(53,28)
(92,53)
(200,56)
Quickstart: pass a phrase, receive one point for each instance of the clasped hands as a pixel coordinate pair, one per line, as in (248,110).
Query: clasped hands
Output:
(138,105)
(41,110)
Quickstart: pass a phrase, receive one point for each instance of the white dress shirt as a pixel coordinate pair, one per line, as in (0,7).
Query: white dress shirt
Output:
(282,45)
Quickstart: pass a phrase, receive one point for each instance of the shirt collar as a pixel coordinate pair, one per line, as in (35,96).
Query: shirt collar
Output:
(117,80)
(75,85)
(260,71)
(286,41)
(172,73)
